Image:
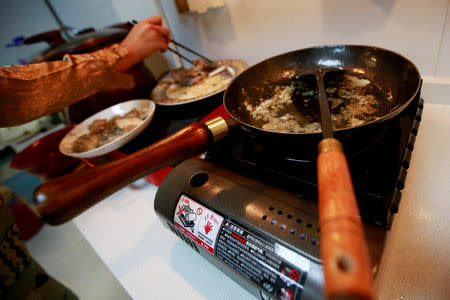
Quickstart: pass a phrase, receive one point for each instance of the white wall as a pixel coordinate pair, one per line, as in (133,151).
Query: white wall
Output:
(255,30)
(443,65)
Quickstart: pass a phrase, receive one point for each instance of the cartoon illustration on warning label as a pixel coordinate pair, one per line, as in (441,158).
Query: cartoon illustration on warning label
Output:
(208,227)
(197,222)
(187,216)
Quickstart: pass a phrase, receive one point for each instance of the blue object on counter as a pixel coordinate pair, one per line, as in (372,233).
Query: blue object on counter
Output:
(23,184)
(16,42)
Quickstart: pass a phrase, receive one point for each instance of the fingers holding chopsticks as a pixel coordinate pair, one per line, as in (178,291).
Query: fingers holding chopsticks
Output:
(145,38)
(154,20)
(148,32)
(155,23)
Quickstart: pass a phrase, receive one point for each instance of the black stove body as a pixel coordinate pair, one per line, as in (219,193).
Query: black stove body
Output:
(253,213)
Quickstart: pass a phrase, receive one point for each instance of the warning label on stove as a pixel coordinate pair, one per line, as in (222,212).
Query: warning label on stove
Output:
(276,269)
(197,222)
(279,271)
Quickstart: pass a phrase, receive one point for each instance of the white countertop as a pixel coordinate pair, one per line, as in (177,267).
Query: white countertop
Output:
(152,263)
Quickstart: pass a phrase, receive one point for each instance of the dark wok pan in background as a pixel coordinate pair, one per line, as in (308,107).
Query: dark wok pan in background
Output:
(387,69)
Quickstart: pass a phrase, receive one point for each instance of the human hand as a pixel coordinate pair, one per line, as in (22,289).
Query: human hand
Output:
(145,38)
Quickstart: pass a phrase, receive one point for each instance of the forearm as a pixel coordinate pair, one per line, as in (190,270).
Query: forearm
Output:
(31,91)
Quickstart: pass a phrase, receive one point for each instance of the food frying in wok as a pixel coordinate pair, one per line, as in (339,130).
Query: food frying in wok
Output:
(294,108)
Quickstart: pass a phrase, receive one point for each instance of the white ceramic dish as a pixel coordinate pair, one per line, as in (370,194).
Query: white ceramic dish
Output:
(121,109)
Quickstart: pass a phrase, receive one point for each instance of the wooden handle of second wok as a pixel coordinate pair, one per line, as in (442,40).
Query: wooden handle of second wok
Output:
(63,198)
(344,251)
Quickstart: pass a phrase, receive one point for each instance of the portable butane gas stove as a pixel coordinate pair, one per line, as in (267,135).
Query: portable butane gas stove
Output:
(253,214)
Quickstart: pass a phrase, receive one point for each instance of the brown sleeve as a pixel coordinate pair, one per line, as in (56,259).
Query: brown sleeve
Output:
(32,91)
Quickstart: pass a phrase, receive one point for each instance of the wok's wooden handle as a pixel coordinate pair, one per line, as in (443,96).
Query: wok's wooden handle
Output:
(61,199)
(344,252)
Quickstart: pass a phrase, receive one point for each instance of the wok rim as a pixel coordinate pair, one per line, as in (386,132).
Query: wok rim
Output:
(386,117)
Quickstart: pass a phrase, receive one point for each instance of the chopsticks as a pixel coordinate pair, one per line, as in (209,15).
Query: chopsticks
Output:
(180,55)
(184,47)
(192,51)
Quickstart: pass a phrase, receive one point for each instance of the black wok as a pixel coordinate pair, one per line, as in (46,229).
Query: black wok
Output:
(389,71)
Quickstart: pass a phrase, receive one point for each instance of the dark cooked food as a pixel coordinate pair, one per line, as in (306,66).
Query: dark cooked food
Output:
(103,131)
(193,75)
(294,107)
(85,142)
(98,126)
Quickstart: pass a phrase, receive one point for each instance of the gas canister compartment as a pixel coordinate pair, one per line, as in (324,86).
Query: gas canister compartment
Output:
(265,239)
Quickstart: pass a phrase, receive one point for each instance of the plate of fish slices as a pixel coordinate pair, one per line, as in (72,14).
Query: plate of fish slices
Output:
(109,129)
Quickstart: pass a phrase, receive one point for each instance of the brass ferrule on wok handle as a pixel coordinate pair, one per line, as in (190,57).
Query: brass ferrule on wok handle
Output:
(218,127)
(330,144)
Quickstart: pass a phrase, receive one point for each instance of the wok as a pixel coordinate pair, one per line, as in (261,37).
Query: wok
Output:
(388,70)
(61,199)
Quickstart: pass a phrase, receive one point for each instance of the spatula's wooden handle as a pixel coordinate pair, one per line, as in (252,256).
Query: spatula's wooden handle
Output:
(63,198)
(344,250)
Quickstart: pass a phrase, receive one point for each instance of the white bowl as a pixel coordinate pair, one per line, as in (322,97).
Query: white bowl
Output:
(65,146)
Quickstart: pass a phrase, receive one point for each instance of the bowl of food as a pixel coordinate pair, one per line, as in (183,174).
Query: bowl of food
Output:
(108,129)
